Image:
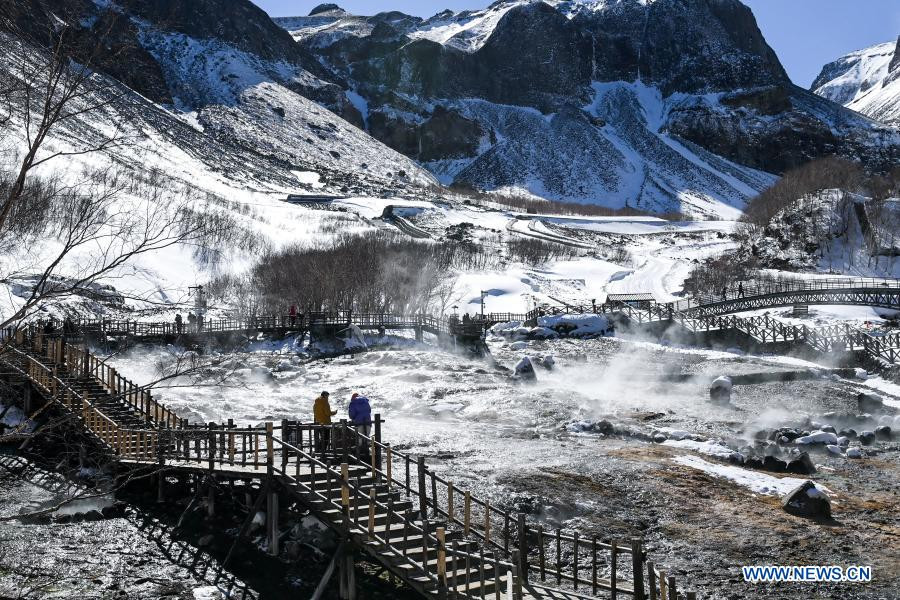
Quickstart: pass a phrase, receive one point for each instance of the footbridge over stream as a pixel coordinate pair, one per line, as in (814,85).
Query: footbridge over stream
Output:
(386,506)
(710,314)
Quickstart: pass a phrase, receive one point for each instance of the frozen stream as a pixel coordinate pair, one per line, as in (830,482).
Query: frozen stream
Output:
(521,444)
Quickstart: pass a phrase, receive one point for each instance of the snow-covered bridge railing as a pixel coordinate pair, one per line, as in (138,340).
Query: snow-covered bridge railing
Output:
(757,294)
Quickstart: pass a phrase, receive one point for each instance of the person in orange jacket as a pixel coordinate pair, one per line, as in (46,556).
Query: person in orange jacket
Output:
(322,414)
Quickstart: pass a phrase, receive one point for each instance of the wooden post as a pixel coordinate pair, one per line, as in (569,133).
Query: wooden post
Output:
(613,584)
(450,517)
(345,485)
(441,557)
(467,512)
(434,496)
(523,545)
(372,514)
(284,450)
(691,595)
(673,590)
(575,559)
(516,575)
(487,522)
(211,498)
(387,466)
(376,436)
(637,564)
(423,495)
(270,447)
(344,449)
(211,441)
(273,523)
(663,589)
(651,579)
(230,441)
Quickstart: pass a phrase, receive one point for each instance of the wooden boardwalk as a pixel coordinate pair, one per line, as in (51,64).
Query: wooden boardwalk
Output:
(439,540)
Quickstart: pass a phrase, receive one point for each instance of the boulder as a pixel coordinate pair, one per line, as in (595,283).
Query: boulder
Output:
(818,437)
(720,390)
(518,345)
(525,370)
(829,429)
(849,433)
(854,452)
(869,403)
(806,500)
(603,426)
(833,449)
(93,515)
(883,432)
(866,437)
(776,465)
(802,464)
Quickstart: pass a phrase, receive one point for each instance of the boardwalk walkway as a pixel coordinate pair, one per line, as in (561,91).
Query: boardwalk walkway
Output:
(438,539)
(703,314)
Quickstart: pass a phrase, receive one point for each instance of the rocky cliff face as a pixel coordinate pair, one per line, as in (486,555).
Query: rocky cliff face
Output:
(662,105)
(867,81)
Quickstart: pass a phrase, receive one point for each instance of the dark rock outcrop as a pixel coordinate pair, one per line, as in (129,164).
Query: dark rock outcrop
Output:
(807,501)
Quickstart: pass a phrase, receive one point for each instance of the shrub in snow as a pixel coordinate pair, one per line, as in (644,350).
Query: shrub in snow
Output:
(807,501)
(720,390)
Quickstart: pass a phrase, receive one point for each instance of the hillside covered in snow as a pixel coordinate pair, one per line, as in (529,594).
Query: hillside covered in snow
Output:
(662,106)
(867,81)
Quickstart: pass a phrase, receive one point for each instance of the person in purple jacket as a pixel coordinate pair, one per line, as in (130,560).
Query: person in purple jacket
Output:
(360,414)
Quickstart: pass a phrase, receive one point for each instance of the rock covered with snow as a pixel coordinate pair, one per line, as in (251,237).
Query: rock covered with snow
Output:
(807,501)
(524,370)
(818,437)
(720,389)
(577,326)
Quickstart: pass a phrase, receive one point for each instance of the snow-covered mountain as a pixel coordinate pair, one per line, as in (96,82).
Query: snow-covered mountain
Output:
(664,105)
(219,81)
(867,81)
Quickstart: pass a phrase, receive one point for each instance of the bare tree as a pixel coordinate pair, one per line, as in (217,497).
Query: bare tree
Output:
(48,85)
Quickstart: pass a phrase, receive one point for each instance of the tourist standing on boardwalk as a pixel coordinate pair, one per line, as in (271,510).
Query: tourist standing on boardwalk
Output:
(292,313)
(360,413)
(179,326)
(322,414)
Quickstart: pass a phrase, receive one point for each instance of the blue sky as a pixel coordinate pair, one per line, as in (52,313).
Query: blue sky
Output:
(806,34)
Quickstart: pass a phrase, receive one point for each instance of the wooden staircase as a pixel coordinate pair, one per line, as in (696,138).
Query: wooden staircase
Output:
(439,540)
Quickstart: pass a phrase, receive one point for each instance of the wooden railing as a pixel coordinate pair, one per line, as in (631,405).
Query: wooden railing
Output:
(78,362)
(126,442)
(540,552)
(762,286)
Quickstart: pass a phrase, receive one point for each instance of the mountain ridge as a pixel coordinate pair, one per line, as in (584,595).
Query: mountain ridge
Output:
(867,81)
